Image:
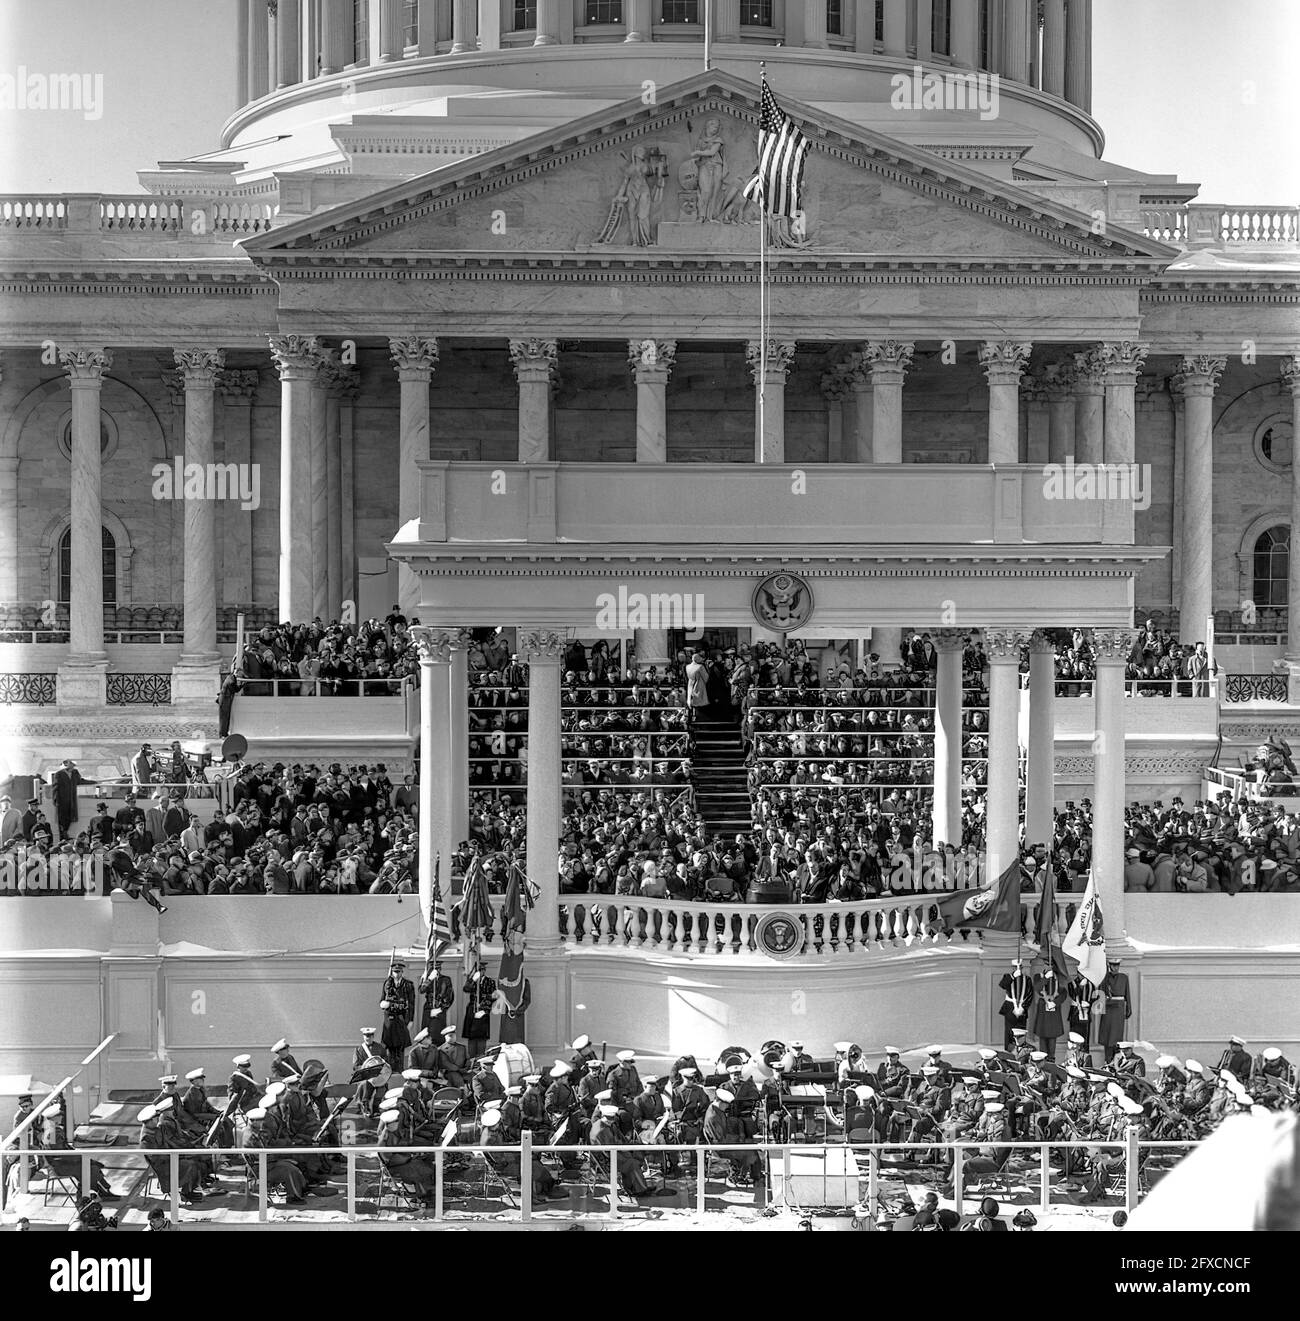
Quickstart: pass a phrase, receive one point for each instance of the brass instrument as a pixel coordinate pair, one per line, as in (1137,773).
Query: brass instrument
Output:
(319,1137)
(212,1132)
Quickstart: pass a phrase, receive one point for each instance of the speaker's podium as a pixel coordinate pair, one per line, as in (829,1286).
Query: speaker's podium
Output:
(819,1176)
(769,892)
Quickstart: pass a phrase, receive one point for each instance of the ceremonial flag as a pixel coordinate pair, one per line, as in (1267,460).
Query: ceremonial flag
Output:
(995,908)
(475,908)
(782,150)
(1085,942)
(1045,927)
(439,937)
(521,897)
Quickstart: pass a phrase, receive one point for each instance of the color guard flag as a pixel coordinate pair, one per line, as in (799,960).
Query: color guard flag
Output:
(782,150)
(1085,941)
(996,908)
(439,926)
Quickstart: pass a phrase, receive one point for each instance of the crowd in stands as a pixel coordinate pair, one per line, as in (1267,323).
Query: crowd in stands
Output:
(329,660)
(1158,664)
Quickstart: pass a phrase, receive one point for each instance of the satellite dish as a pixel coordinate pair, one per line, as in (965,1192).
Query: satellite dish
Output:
(233,747)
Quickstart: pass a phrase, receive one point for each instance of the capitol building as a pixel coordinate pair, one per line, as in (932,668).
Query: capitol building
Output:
(467,310)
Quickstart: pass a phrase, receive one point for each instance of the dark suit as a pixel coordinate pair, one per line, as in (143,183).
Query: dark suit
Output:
(1020,989)
(1118,1010)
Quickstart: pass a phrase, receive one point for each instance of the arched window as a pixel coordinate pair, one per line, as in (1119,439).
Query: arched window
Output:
(109,566)
(1272,556)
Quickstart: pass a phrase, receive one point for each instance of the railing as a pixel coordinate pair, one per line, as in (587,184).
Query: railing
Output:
(492,1178)
(135,214)
(1240,785)
(1153,687)
(701,926)
(33,212)
(1199,224)
(317,687)
(28,689)
(1255,688)
(138,689)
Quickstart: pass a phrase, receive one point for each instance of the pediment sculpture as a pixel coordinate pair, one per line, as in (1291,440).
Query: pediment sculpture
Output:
(711,168)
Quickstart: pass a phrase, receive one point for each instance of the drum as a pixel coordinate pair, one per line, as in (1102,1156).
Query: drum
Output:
(315,1078)
(514,1062)
(773,1051)
(733,1055)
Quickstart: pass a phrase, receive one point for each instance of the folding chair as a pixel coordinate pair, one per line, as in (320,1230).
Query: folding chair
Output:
(66,1185)
(402,1193)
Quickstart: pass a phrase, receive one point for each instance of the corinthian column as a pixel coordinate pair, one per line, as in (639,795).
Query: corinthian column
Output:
(326,365)
(1002,817)
(81,679)
(534,363)
(543,652)
(1059,383)
(652,362)
(296,358)
(1004,363)
(888,360)
(414,357)
(859,419)
(237,390)
(198,674)
(1123,364)
(1291,380)
(1197,377)
(769,402)
(1089,393)
(1111,650)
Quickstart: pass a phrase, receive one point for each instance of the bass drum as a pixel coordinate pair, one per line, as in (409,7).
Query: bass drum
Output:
(514,1062)
(733,1055)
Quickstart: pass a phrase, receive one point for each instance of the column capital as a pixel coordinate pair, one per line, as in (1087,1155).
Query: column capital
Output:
(1198,374)
(414,356)
(541,647)
(948,639)
(780,354)
(1004,360)
(1040,643)
(295,356)
(533,359)
(1122,360)
(1089,371)
(888,359)
(1004,644)
(433,645)
(199,368)
(173,380)
(835,383)
(1058,381)
(655,358)
(1290,373)
(86,366)
(238,385)
(341,382)
(1112,646)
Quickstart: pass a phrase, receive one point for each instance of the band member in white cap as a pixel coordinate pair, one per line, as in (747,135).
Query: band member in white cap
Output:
(583,1052)
(1273,1064)
(414,1171)
(1127,1061)
(606,1133)
(624,1081)
(1199,1089)
(485,1084)
(368,1093)
(242,1085)
(720,1129)
(892,1075)
(423,1054)
(1171,1080)
(282,1062)
(281,1171)
(934,1058)
(453,1058)
(153,1139)
(1235,1059)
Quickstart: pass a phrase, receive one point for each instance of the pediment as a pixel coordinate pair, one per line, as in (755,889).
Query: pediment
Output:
(643,183)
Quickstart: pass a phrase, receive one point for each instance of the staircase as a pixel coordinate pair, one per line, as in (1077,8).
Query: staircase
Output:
(721,791)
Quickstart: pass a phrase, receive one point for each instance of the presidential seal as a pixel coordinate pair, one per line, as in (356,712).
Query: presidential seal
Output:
(779,936)
(782,602)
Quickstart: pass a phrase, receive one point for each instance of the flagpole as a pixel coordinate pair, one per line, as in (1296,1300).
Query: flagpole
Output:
(762,299)
(708,34)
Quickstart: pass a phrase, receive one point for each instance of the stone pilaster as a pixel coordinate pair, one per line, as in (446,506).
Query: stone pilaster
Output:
(1089,394)
(888,360)
(1004,363)
(235,527)
(534,363)
(769,371)
(1123,363)
(414,357)
(651,361)
(342,383)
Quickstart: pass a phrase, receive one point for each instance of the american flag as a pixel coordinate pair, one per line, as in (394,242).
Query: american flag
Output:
(439,924)
(782,149)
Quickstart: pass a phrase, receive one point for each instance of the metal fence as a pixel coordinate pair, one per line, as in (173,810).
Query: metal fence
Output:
(365,1179)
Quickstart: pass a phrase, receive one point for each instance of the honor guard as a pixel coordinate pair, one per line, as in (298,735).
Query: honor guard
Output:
(1014,1009)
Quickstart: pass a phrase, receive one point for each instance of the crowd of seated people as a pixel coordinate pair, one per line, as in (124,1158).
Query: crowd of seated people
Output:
(284,830)
(1158,664)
